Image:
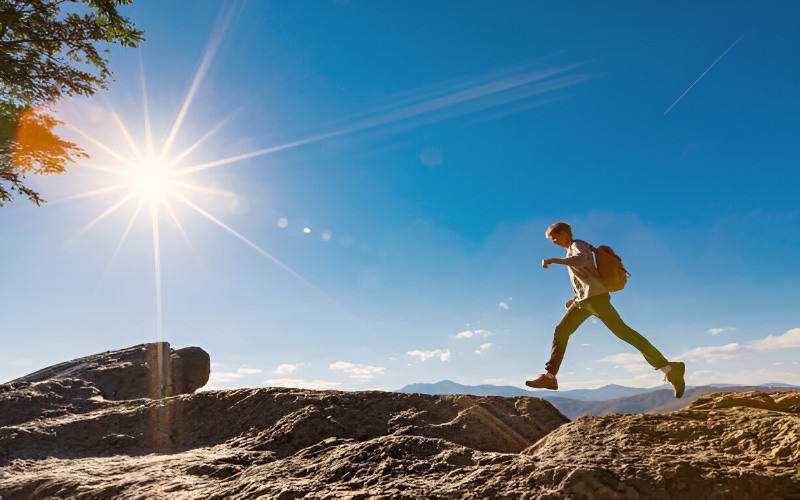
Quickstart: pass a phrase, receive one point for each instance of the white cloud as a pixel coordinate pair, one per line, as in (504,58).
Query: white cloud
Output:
(731,373)
(504,305)
(285,369)
(223,377)
(362,373)
(483,347)
(494,381)
(468,334)
(623,357)
(717,331)
(788,340)
(317,385)
(341,365)
(712,354)
(737,375)
(442,354)
(627,361)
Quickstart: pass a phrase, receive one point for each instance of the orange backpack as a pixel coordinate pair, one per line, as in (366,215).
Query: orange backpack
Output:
(609,266)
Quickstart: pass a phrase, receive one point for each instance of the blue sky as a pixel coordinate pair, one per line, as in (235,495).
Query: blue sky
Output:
(373,181)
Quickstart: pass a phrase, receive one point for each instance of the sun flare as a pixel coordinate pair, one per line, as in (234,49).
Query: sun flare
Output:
(152,179)
(151,182)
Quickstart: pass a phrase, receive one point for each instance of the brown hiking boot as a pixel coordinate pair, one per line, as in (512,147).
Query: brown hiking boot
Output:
(675,377)
(543,382)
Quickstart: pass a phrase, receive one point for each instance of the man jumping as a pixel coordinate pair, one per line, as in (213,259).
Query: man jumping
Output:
(592,299)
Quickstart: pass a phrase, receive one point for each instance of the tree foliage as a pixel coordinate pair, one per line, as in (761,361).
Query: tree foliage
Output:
(50,49)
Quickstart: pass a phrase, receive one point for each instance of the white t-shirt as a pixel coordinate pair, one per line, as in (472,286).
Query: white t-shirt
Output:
(582,271)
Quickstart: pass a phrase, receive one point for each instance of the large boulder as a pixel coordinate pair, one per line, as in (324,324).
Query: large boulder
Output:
(153,370)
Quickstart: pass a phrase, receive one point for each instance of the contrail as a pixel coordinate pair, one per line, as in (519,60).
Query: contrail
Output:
(701,76)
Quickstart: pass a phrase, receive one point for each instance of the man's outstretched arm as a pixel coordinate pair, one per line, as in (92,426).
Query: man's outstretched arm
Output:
(575,261)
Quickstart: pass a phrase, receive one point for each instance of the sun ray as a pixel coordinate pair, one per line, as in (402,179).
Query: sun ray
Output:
(157,262)
(128,228)
(518,109)
(113,208)
(200,141)
(134,217)
(498,89)
(249,243)
(91,194)
(178,224)
(260,152)
(512,96)
(127,136)
(209,190)
(208,56)
(104,168)
(100,144)
(148,130)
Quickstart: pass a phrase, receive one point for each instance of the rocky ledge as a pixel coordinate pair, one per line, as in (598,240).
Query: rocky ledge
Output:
(61,435)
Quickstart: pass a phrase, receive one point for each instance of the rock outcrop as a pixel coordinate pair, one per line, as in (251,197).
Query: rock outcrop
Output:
(725,445)
(145,371)
(60,437)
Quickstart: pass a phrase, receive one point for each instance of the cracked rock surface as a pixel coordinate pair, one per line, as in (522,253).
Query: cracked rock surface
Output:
(62,436)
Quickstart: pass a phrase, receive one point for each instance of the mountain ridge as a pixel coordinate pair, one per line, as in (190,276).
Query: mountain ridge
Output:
(609,391)
(605,400)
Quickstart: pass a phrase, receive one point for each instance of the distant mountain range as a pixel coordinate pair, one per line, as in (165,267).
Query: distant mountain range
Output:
(606,400)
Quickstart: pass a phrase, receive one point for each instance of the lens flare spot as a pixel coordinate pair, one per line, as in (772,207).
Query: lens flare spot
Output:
(431,157)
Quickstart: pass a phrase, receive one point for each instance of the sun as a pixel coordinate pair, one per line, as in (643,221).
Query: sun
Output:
(152,180)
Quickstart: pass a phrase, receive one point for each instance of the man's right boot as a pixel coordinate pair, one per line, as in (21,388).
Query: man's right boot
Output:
(675,377)
(543,382)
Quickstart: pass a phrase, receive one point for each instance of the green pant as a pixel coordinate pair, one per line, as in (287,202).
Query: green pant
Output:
(600,306)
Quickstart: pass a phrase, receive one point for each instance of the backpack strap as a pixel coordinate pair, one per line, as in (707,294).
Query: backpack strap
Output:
(589,244)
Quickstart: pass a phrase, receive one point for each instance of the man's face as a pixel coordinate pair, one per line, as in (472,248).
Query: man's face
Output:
(561,238)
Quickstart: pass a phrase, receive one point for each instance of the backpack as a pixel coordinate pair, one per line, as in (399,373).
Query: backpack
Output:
(609,266)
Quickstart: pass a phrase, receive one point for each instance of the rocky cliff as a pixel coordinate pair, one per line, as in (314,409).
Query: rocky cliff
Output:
(62,436)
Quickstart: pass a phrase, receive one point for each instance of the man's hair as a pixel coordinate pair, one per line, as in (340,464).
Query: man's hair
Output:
(558,227)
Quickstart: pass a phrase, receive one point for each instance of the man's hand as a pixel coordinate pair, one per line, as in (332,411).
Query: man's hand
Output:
(546,263)
(569,302)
